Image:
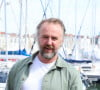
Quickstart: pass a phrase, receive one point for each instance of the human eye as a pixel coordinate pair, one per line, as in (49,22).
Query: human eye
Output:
(54,38)
(45,37)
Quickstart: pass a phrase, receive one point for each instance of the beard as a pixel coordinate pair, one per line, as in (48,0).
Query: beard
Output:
(47,55)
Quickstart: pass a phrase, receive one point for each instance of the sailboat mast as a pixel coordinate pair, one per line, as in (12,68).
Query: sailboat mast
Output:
(59,8)
(75,29)
(26,24)
(5,27)
(20,25)
(93,24)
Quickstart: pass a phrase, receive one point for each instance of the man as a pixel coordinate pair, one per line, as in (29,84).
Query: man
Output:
(45,70)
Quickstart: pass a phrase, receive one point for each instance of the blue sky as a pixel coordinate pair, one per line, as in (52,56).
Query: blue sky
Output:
(83,15)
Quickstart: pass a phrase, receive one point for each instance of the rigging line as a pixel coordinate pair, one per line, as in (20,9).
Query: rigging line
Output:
(93,17)
(64,51)
(44,15)
(76,37)
(83,18)
(44,9)
(1,4)
(13,14)
(50,10)
(33,45)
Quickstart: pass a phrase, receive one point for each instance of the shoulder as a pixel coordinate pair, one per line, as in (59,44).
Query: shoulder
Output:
(68,68)
(24,62)
(61,62)
(20,64)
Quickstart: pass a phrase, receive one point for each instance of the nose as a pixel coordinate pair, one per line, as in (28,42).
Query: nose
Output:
(49,41)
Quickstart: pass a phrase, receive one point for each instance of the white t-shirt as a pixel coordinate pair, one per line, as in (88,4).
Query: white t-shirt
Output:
(36,74)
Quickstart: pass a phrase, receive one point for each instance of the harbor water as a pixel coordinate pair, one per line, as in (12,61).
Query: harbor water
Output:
(95,86)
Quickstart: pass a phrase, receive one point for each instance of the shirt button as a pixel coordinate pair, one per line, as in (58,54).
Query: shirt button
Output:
(23,79)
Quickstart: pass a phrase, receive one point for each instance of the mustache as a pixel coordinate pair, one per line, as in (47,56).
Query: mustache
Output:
(49,47)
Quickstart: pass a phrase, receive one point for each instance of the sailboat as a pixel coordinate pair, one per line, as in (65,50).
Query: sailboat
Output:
(10,50)
(87,57)
(49,7)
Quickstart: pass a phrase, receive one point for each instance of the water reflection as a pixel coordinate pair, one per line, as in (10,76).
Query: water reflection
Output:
(3,77)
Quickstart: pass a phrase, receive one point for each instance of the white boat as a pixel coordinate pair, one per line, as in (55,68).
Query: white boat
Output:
(91,70)
(46,7)
(3,74)
(5,66)
(2,86)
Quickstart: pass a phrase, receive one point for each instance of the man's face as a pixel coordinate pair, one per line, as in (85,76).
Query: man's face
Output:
(50,39)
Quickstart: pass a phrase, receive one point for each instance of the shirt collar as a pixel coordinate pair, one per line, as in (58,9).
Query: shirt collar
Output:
(60,63)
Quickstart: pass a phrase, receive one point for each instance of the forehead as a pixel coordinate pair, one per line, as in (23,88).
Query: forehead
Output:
(51,28)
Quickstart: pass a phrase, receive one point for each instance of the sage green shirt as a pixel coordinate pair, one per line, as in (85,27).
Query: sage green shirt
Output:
(62,76)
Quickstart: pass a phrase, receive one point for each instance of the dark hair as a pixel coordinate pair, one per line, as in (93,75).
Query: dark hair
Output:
(51,20)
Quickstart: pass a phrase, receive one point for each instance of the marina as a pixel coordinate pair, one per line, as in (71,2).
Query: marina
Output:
(81,47)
